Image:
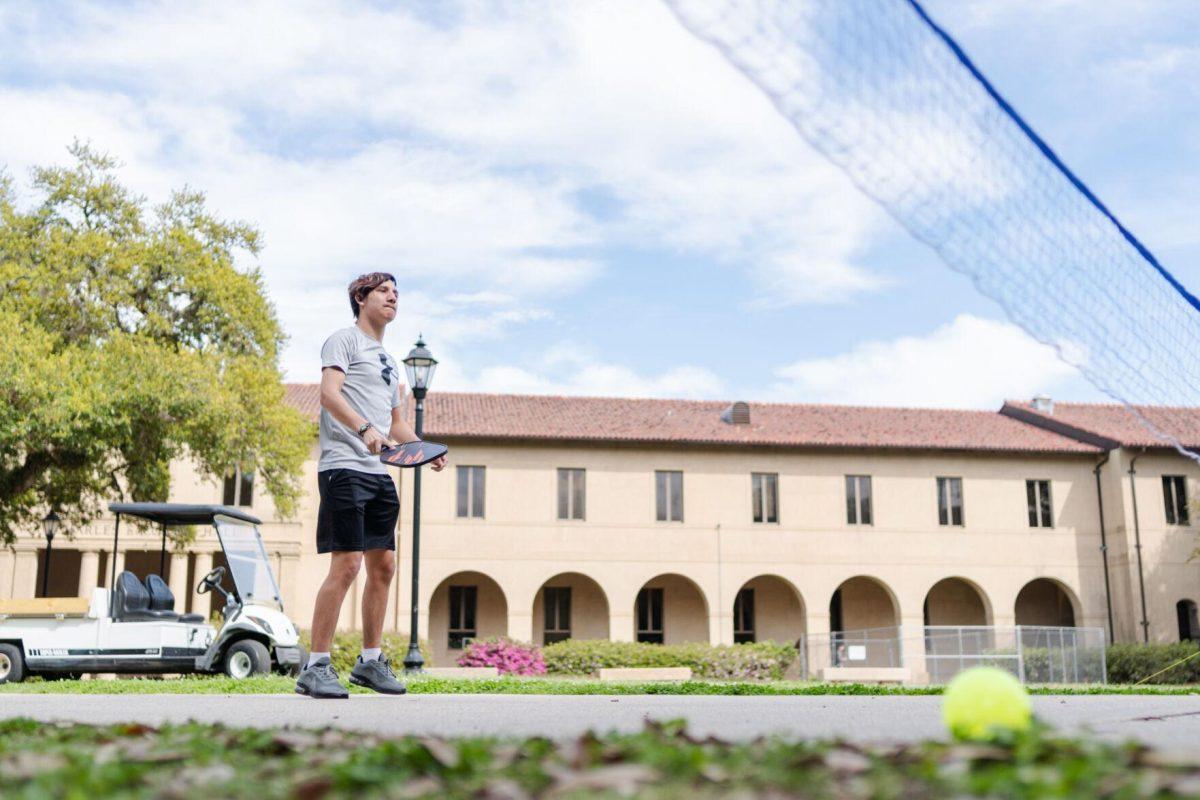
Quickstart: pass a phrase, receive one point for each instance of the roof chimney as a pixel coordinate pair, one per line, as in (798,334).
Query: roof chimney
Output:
(1042,403)
(737,414)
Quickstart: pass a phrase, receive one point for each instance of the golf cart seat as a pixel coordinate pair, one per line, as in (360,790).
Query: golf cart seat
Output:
(163,599)
(133,602)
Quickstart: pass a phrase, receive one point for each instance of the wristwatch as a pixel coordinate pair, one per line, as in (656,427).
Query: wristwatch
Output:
(366,426)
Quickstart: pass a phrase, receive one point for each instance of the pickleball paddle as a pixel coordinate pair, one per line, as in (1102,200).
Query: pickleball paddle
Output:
(412,454)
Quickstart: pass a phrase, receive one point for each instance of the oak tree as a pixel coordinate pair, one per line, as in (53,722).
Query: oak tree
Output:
(131,336)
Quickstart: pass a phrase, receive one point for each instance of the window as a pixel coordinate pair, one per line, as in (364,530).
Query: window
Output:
(462,616)
(950,501)
(1037,497)
(1189,624)
(470,492)
(1175,499)
(764,495)
(557,603)
(650,616)
(743,617)
(570,493)
(858,499)
(668,490)
(239,488)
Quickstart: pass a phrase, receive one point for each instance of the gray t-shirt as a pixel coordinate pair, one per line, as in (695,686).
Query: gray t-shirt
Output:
(372,387)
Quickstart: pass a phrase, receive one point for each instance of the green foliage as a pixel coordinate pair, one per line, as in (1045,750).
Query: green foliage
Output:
(1130,663)
(1054,665)
(131,337)
(662,761)
(762,660)
(426,684)
(348,644)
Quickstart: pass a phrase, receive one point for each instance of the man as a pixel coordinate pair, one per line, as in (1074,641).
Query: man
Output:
(360,413)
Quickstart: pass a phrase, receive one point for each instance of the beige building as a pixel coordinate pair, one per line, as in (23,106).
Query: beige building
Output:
(676,521)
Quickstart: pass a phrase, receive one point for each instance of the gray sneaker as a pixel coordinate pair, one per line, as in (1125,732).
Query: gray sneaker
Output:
(376,674)
(320,680)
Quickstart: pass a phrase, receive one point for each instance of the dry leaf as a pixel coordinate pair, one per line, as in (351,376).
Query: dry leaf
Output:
(442,751)
(505,754)
(24,765)
(313,788)
(504,789)
(421,787)
(295,741)
(623,779)
(847,761)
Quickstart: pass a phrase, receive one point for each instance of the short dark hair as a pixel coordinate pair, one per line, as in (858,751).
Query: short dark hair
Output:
(363,285)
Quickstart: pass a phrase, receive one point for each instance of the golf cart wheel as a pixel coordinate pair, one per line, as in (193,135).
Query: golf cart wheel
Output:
(12,664)
(246,658)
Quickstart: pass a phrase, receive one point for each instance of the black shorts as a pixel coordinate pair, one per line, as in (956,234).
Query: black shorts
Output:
(358,511)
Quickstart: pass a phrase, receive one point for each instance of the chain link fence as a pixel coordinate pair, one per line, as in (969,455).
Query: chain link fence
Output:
(1033,654)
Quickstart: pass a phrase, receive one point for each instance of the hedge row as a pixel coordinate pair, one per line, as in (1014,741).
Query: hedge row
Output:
(1130,663)
(762,660)
(1127,663)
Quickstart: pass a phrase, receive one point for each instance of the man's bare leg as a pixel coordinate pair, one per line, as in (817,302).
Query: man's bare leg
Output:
(372,669)
(343,569)
(381,568)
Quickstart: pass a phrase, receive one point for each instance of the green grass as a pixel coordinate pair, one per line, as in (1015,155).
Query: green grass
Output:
(204,761)
(276,684)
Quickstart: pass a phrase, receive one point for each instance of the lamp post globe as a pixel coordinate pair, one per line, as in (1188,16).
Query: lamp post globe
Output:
(50,525)
(420,366)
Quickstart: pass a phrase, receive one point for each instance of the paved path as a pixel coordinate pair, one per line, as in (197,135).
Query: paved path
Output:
(1169,722)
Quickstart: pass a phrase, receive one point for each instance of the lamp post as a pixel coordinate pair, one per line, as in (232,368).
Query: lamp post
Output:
(420,365)
(50,525)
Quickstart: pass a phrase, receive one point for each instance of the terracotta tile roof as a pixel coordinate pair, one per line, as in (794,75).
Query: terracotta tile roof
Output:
(1114,422)
(304,397)
(454,415)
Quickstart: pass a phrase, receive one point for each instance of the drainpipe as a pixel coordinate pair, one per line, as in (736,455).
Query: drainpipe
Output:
(1137,540)
(720,584)
(1104,546)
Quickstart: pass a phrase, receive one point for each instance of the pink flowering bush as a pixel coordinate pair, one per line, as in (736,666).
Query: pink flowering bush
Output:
(508,656)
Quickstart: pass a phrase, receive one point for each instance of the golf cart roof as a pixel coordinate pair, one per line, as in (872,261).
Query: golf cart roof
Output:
(181,513)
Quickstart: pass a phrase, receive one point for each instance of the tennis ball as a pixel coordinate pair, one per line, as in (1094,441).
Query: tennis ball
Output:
(983,701)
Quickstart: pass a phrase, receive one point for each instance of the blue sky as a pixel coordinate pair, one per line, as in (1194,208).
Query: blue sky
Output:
(581,198)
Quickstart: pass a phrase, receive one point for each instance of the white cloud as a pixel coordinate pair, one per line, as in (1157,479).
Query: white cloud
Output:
(459,153)
(970,362)
(434,141)
(569,368)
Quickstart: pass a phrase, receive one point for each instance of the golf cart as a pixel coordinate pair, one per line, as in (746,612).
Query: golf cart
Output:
(135,628)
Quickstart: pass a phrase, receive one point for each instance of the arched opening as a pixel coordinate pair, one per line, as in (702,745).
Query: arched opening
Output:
(570,606)
(1189,625)
(955,601)
(861,603)
(670,609)
(864,625)
(768,608)
(956,628)
(1046,602)
(464,607)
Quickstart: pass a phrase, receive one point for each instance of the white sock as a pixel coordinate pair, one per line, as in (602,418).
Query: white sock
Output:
(315,657)
(371,653)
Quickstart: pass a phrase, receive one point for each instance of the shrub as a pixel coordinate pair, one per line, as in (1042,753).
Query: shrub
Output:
(1130,663)
(759,661)
(1052,665)
(509,656)
(348,644)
